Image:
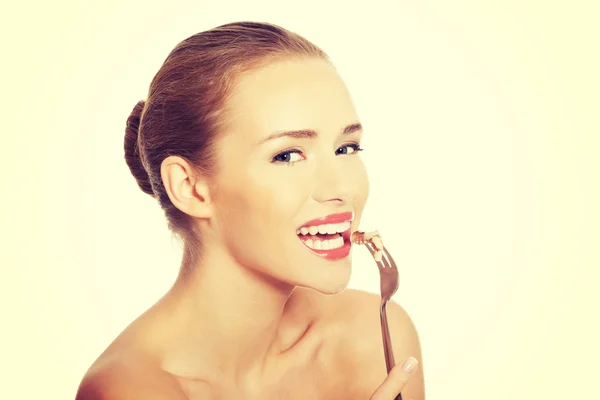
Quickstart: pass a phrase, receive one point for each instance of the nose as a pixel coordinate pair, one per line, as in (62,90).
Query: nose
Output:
(333,181)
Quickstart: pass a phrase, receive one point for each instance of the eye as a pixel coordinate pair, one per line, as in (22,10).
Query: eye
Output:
(288,157)
(350,148)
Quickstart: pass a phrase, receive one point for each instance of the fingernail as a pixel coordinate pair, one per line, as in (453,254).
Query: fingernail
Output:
(410,364)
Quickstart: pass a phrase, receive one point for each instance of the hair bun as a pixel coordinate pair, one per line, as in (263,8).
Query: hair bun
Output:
(132,154)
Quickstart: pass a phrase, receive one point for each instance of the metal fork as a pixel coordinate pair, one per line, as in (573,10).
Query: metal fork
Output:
(388,274)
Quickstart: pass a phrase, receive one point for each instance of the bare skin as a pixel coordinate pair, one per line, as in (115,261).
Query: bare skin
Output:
(260,316)
(331,349)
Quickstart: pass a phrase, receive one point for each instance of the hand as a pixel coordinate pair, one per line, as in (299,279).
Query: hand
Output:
(395,381)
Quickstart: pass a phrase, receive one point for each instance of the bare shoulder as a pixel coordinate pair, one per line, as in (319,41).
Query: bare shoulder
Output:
(131,377)
(356,323)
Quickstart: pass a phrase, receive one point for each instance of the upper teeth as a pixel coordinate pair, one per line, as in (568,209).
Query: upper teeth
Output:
(325,228)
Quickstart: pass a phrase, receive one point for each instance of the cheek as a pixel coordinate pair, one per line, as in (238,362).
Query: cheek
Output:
(257,227)
(360,193)
(239,225)
(365,184)
(262,208)
(361,182)
(279,190)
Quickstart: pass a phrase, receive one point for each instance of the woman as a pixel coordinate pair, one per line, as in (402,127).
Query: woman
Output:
(248,138)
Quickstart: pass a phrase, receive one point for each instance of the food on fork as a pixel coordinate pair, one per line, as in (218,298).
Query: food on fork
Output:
(373,238)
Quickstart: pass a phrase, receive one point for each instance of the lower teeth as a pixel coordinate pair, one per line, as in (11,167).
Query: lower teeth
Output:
(325,244)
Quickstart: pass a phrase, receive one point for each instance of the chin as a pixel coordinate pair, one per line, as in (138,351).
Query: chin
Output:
(334,281)
(333,291)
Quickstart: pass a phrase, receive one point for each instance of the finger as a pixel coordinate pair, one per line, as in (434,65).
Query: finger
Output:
(396,380)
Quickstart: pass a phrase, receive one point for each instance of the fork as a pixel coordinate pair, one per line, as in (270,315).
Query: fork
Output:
(388,274)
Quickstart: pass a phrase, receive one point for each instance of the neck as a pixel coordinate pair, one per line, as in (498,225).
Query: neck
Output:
(227,318)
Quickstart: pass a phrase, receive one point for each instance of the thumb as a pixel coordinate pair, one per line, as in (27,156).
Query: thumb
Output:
(396,380)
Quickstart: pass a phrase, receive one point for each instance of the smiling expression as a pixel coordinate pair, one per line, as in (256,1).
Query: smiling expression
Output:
(290,155)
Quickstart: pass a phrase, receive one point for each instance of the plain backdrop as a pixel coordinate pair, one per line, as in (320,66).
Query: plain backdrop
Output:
(482,144)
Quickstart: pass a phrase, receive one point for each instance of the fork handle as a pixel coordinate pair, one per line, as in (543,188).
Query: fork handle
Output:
(387,342)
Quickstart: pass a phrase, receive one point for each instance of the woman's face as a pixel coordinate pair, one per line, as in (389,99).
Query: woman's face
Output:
(271,184)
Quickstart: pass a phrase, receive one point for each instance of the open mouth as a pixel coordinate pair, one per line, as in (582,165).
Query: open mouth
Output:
(328,237)
(325,237)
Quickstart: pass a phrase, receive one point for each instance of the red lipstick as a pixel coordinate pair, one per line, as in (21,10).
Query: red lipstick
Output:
(335,254)
(331,254)
(329,219)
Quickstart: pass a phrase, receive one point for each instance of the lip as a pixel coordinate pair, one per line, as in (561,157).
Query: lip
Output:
(337,218)
(341,252)
(335,254)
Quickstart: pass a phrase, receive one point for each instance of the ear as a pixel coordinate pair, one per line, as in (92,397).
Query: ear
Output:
(186,189)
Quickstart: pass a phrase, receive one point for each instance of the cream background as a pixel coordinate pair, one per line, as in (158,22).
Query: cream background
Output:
(482,141)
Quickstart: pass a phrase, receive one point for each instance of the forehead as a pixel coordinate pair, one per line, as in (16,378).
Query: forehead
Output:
(291,94)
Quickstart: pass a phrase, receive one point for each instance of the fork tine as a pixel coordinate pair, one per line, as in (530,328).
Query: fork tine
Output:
(386,266)
(380,264)
(389,264)
(392,263)
(386,263)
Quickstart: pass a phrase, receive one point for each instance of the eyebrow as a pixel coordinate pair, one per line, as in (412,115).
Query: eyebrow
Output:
(308,133)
